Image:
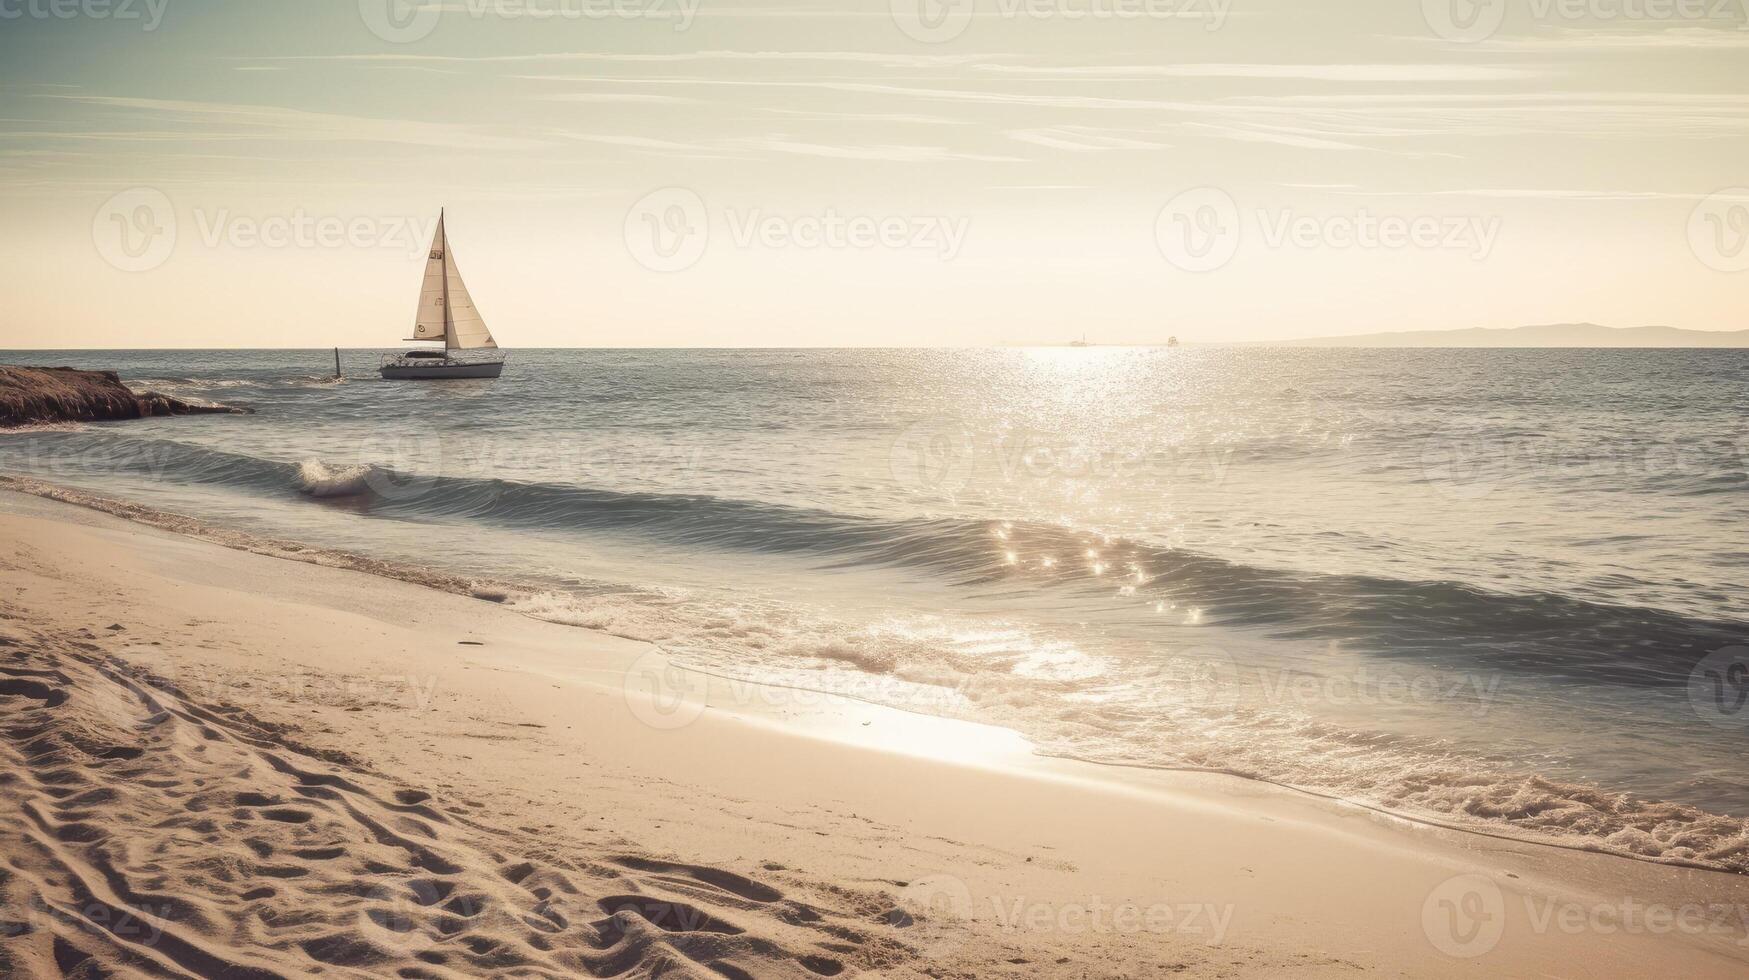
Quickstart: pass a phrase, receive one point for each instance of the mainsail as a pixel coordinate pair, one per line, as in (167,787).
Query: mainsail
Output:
(446,311)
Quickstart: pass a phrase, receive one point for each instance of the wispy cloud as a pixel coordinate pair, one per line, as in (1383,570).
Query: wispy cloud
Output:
(283,124)
(647,98)
(1306,72)
(887,153)
(884,59)
(1545,194)
(1277,135)
(1082,139)
(841,115)
(1732,38)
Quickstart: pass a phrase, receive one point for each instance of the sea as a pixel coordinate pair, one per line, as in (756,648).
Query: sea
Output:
(1499,590)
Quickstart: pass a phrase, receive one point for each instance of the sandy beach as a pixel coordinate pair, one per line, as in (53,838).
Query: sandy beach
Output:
(226,764)
(1064,489)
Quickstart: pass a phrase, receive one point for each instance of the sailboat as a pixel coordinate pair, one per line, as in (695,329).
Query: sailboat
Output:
(447,313)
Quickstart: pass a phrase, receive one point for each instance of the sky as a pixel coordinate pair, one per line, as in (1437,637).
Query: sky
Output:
(194,173)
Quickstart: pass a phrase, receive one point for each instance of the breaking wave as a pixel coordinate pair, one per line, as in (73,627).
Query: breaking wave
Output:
(318,480)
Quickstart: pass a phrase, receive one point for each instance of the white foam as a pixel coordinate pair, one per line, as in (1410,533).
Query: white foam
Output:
(35,427)
(319,480)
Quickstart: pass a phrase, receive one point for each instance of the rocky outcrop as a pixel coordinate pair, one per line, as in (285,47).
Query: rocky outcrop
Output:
(30,395)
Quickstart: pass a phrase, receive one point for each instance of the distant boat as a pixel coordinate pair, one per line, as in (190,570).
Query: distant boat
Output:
(1171,341)
(446,313)
(1080,343)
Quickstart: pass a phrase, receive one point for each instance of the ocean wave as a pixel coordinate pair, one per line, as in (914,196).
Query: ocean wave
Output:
(318,480)
(1184,711)
(315,381)
(1401,620)
(158,384)
(33,428)
(1181,713)
(183,384)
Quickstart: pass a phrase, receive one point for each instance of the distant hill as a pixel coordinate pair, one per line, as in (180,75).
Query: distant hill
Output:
(1545,335)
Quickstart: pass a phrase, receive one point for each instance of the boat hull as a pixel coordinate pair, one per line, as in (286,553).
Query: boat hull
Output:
(442,370)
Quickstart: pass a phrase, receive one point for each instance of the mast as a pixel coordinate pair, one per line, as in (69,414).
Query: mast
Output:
(448,318)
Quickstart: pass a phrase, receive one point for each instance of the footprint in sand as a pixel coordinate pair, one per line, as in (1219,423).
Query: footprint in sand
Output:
(310,865)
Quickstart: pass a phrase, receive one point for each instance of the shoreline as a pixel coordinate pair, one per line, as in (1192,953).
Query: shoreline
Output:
(854,799)
(510,593)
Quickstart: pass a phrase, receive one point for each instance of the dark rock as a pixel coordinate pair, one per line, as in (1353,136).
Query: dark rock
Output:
(32,395)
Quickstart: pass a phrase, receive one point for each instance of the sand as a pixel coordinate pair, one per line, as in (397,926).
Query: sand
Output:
(215,763)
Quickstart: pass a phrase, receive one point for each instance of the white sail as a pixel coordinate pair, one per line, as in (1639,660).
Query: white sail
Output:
(466,329)
(446,311)
(429,321)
